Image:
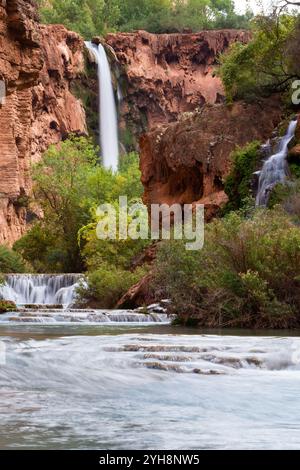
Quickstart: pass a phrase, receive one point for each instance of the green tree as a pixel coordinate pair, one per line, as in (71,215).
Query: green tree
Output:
(84,16)
(90,17)
(69,185)
(267,64)
(61,187)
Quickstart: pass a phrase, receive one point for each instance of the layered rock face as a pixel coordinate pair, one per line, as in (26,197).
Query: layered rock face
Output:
(19,70)
(165,75)
(37,66)
(56,111)
(188,161)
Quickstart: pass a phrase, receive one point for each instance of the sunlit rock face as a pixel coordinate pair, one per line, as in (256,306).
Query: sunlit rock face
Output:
(165,75)
(37,66)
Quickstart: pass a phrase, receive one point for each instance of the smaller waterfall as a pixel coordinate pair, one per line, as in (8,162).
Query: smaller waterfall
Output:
(52,316)
(31,289)
(107,108)
(275,169)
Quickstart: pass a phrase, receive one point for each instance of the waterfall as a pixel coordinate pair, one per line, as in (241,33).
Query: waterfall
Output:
(108,122)
(31,289)
(275,169)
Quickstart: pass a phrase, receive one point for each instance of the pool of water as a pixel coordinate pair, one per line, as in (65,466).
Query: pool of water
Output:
(147,387)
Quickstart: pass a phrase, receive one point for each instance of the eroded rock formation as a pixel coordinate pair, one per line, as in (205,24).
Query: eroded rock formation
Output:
(163,76)
(37,66)
(188,161)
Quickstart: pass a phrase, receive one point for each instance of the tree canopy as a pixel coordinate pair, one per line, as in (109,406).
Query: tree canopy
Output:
(266,64)
(94,17)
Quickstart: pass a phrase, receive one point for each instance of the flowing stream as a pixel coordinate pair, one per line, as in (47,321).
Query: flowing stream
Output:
(108,121)
(139,388)
(275,169)
(99,379)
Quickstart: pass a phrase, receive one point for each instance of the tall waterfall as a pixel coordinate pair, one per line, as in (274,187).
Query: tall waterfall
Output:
(275,169)
(108,121)
(31,289)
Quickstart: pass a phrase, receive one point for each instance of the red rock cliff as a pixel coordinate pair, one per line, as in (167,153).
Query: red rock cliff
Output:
(37,65)
(188,161)
(165,75)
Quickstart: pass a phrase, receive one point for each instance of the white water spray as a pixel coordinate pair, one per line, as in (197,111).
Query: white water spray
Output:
(32,289)
(108,122)
(275,169)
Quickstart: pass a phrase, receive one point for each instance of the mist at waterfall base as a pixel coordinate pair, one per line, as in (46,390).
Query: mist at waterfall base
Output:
(275,169)
(108,120)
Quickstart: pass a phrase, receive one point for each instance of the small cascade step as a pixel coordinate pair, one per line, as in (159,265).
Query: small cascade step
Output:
(41,307)
(52,316)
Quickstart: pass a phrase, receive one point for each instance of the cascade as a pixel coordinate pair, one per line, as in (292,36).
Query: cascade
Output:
(108,121)
(275,169)
(32,289)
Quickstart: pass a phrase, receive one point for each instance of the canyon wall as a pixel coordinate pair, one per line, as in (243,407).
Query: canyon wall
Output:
(168,86)
(37,66)
(162,76)
(187,162)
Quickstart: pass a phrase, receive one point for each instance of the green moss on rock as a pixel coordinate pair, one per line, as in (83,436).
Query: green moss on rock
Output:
(238,183)
(7,306)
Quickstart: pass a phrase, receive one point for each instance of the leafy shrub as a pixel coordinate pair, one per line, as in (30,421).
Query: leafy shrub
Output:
(43,250)
(118,253)
(69,185)
(295,170)
(238,183)
(11,262)
(107,285)
(288,197)
(267,63)
(247,275)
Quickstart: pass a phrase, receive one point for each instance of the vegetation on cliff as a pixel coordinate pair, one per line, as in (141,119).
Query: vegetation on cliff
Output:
(269,63)
(11,261)
(238,182)
(94,17)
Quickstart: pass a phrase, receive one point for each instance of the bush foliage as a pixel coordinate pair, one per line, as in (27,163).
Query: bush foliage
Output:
(107,284)
(69,185)
(238,183)
(11,262)
(267,63)
(247,275)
